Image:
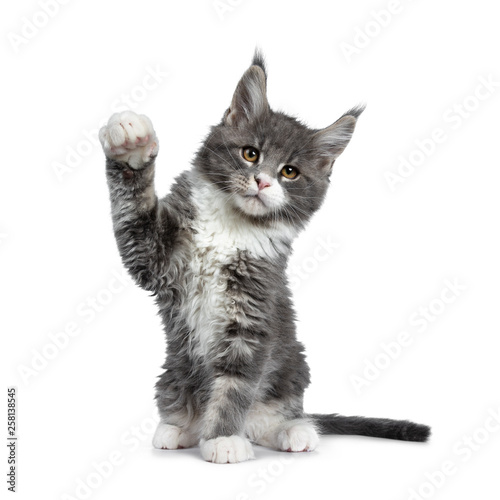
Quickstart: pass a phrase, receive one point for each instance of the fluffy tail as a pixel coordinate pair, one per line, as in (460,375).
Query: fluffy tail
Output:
(403,430)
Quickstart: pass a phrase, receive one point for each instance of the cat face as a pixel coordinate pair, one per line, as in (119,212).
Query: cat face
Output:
(268,165)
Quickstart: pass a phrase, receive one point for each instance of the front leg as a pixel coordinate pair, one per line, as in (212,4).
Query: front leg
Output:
(223,438)
(140,221)
(237,363)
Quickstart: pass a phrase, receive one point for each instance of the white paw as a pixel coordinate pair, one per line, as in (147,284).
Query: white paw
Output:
(171,437)
(298,437)
(226,450)
(129,137)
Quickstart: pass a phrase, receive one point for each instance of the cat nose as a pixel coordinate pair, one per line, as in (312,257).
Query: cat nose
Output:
(262,181)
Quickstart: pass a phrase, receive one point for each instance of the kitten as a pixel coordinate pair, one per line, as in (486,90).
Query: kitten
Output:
(214,253)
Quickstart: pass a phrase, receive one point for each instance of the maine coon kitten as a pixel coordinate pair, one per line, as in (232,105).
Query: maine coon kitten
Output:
(214,253)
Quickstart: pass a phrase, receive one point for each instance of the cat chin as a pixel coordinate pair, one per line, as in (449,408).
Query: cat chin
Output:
(252,205)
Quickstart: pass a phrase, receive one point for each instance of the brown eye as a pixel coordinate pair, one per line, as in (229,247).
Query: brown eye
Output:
(250,154)
(290,172)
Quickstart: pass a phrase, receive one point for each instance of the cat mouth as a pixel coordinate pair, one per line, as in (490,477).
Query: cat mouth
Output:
(256,202)
(255,197)
(253,204)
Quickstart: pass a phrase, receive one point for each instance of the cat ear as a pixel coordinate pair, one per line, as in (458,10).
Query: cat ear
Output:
(331,141)
(249,99)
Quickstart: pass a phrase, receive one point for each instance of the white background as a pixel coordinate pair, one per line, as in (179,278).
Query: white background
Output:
(94,398)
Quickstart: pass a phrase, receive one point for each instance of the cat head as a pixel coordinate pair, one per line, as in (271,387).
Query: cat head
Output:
(268,165)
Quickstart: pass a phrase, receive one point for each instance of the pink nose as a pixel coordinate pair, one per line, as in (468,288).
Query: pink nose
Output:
(262,183)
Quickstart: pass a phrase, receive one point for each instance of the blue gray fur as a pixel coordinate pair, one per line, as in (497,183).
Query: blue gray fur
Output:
(234,370)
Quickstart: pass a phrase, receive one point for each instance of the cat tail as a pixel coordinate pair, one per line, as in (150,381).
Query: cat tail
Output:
(403,430)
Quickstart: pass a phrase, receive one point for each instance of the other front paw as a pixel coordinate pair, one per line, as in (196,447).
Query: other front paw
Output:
(130,138)
(226,450)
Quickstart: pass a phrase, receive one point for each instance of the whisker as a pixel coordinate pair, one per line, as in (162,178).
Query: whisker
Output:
(219,156)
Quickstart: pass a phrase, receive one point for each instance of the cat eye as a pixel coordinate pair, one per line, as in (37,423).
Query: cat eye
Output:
(250,154)
(289,172)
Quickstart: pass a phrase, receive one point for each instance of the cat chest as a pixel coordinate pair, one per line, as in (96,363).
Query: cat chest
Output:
(217,288)
(208,307)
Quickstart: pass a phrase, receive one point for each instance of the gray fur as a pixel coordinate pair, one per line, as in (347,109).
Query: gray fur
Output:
(254,349)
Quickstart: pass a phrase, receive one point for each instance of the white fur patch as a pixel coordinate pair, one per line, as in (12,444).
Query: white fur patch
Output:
(171,437)
(299,436)
(256,201)
(266,425)
(226,450)
(263,423)
(219,225)
(220,234)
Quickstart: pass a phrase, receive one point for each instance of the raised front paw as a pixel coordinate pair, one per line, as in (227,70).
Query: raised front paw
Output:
(226,450)
(130,138)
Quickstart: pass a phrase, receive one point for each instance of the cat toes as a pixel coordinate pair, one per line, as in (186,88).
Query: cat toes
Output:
(226,450)
(171,437)
(298,437)
(129,137)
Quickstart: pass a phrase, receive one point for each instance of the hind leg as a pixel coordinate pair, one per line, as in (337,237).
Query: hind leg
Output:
(297,435)
(179,423)
(172,437)
(175,432)
(273,426)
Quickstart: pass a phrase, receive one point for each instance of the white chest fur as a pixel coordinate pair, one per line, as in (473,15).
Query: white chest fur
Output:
(220,235)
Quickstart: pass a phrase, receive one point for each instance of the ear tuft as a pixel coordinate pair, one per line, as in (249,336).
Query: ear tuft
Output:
(258,60)
(250,98)
(355,111)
